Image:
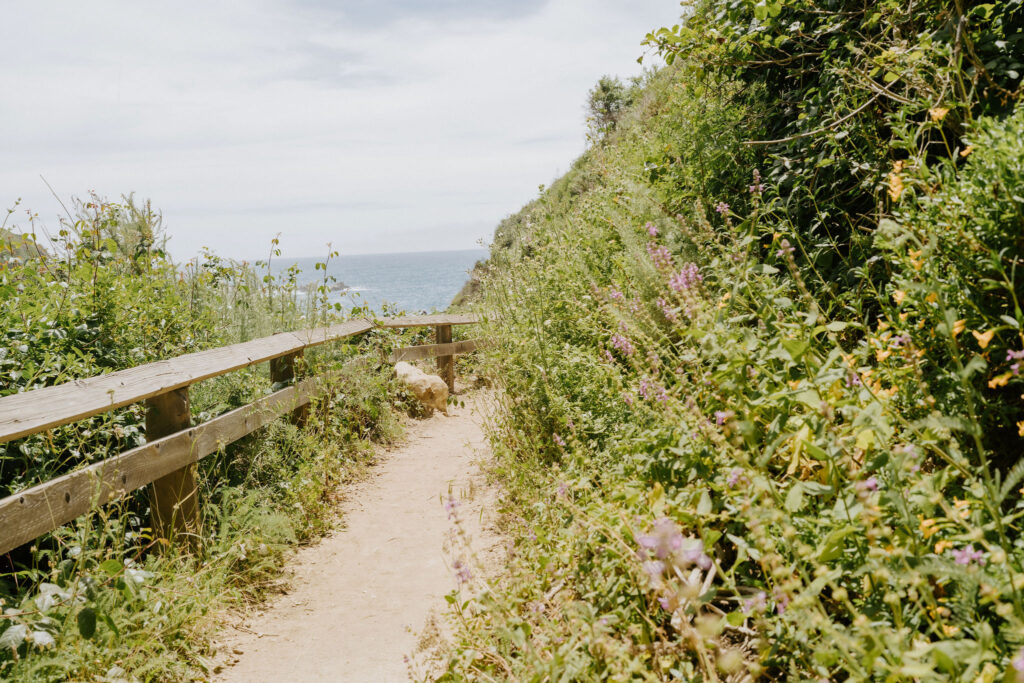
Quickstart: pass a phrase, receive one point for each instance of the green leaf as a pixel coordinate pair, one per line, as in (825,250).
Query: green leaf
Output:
(87,622)
(111,568)
(13,637)
(795,498)
(760,11)
(795,347)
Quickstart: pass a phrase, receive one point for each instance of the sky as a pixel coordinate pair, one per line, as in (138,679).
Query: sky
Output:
(374,125)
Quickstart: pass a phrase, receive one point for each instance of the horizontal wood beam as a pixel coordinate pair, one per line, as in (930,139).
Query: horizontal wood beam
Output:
(410,353)
(33,411)
(430,320)
(31,513)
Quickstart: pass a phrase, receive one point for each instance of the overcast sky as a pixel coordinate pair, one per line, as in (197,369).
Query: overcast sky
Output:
(378,125)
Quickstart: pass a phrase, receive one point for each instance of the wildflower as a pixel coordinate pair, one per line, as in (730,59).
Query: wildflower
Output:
(660,255)
(652,229)
(686,278)
(853,380)
(563,490)
(963,508)
(663,540)
(666,310)
(722,415)
(758,186)
(1018,665)
(722,208)
(781,601)
(786,249)
(654,570)
(615,295)
(451,506)
(942,546)
(608,356)
(900,341)
(984,338)
(928,527)
(623,345)
(736,476)
(756,603)
(558,440)
(869,484)
(692,552)
(967,555)
(462,571)
(628,400)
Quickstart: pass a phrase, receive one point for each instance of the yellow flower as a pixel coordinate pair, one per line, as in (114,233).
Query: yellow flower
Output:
(967,150)
(938,113)
(932,298)
(928,527)
(958,327)
(1020,428)
(882,354)
(950,630)
(898,296)
(984,338)
(943,546)
(1000,380)
(963,508)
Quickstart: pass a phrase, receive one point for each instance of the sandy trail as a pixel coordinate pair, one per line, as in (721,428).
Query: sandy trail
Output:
(360,598)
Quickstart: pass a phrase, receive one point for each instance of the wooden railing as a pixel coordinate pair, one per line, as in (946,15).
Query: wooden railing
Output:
(167,461)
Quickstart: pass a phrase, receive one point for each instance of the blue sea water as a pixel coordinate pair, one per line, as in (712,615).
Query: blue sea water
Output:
(412,282)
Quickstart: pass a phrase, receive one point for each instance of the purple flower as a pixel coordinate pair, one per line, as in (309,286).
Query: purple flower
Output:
(1018,665)
(615,295)
(1014,355)
(853,380)
(722,208)
(608,356)
(786,249)
(563,490)
(660,256)
(451,506)
(652,229)
(693,554)
(758,186)
(654,570)
(869,484)
(686,278)
(900,341)
(462,572)
(663,540)
(623,345)
(735,477)
(781,601)
(669,314)
(756,603)
(722,415)
(967,555)
(628,400)
(1015,368)
(558,440)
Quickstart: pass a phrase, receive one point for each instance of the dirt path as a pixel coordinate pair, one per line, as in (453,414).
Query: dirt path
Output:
(361,598)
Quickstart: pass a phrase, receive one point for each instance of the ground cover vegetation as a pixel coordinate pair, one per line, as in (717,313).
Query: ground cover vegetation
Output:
(760,355)
(102,599)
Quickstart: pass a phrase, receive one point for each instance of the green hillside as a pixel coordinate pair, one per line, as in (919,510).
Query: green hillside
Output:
(759,356)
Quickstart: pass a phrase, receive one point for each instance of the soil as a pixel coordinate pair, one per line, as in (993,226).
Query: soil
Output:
(366,602)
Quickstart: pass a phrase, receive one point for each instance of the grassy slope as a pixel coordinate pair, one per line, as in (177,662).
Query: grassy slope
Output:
(737,447)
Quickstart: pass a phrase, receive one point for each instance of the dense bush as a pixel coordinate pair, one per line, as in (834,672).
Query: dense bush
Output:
(762,408)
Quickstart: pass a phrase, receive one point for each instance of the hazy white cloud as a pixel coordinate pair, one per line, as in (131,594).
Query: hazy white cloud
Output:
(394,125)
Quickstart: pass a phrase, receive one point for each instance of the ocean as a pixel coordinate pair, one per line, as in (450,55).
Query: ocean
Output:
(411,282)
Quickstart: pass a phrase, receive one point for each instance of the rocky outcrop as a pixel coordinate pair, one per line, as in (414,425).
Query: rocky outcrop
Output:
(430,390)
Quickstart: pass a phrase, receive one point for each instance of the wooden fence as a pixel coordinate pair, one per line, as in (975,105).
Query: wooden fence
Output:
(167,461)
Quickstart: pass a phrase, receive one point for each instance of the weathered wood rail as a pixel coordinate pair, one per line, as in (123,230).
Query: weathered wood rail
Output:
(167,461)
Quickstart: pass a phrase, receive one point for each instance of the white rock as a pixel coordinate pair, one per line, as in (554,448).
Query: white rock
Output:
(431,390)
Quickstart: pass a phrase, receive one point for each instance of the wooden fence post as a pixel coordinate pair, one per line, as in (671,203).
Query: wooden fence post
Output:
(174,498)
(282,369)
(446,364)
